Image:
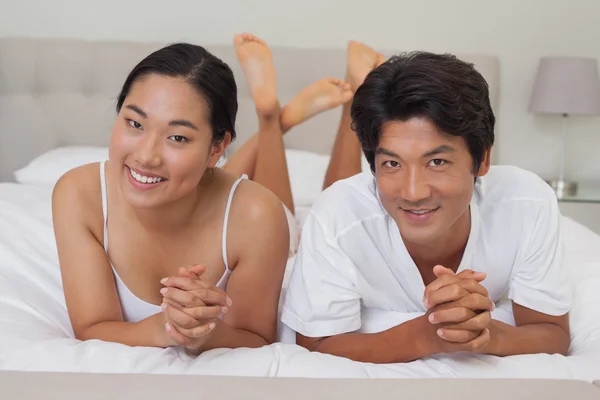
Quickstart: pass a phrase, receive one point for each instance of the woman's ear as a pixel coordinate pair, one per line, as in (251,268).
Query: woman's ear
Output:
(217,149)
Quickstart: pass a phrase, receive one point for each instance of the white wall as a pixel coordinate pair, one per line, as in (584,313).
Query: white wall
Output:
(518,31)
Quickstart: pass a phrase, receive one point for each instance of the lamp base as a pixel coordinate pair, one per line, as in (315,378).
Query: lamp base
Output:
(563,188)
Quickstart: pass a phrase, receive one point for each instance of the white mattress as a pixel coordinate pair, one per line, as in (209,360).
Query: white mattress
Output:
(35,333)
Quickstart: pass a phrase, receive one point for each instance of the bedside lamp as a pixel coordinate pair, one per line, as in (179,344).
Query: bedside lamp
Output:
(566,86)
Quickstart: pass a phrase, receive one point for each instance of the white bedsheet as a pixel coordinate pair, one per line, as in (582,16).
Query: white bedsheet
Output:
(35,332)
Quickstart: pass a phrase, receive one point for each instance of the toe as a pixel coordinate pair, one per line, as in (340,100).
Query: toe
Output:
(238,39)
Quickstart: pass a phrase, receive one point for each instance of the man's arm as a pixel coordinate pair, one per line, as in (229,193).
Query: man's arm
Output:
(540,288)
(416,338)
(403,343)
(534,333)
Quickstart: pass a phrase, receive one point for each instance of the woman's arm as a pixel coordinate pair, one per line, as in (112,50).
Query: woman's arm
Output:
(258,243)
(88,281)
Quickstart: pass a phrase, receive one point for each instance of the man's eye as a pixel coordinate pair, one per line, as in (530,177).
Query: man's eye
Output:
(437,162)
(392,164)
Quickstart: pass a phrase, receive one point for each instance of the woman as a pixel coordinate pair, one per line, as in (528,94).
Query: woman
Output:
(157,246)
(262,157)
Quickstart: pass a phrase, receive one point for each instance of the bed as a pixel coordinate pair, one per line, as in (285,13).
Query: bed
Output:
(56,109)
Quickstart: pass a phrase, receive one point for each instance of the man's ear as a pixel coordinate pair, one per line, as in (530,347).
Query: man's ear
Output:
(217,149)
(484,168)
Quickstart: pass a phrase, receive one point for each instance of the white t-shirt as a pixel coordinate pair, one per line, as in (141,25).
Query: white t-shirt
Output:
(352,261)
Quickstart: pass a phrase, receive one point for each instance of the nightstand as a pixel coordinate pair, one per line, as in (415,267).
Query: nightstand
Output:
(583,207)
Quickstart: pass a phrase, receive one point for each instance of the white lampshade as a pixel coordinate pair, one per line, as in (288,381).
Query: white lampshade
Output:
(566,85)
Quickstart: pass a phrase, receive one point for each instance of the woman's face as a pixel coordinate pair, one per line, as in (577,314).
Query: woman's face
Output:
(161,142)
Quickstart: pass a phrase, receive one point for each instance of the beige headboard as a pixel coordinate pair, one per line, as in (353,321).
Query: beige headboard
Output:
(56,92)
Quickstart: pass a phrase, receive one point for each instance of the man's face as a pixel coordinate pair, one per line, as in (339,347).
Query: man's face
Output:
(425,178)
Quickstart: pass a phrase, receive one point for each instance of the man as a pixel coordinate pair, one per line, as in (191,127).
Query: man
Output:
(433,232)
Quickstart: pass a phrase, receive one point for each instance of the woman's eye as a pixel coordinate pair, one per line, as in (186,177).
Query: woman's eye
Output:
(437,162)
(392,164)
(179,139)
(135,124)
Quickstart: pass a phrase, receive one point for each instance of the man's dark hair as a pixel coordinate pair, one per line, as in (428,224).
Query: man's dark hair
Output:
(440,87)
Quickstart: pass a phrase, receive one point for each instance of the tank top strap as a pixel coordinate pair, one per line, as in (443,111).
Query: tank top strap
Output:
(104,203)
(226,219)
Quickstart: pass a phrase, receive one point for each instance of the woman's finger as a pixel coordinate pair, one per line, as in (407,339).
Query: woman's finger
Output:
(197,270)
(178,317)
(176,336)
(213,296)
(206,312)
(183,297)
(182,282)
(198,331)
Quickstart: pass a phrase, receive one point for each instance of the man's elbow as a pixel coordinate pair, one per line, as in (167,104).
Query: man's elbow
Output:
(309,343)
(564,343)
(561,341)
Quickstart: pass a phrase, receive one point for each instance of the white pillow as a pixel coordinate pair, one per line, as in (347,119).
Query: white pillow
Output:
(46,169)
(307,173)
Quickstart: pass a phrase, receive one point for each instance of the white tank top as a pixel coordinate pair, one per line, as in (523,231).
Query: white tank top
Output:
(134,308)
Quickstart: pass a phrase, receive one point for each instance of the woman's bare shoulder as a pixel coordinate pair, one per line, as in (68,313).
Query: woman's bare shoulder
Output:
(78,192)
(256,208)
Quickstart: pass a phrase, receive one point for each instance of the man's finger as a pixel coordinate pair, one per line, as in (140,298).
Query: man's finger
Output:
(440,270)
(457,335)
(457,315)
(479,343)
(446,294)
(473,286)
(476,301)
(440,282)
(477,323)
(470,274)
(454,292)
(447,278)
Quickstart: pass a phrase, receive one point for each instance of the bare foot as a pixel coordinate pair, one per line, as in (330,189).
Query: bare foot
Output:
(361,60)
(257,62)
(320,96)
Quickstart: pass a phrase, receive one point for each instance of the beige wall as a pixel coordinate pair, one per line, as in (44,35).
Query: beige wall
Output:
(518,31)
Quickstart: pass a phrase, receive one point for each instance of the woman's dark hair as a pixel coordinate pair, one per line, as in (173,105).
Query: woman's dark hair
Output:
(447,91)
(208,74)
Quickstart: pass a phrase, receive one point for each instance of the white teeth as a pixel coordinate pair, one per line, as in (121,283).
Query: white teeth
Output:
(144,179)
(420,212)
